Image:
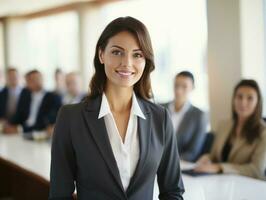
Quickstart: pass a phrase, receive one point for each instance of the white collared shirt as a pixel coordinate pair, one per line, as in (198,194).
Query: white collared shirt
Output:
(177,117)
(126,154)
(36,100)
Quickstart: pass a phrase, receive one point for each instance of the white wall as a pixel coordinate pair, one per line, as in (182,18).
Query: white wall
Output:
(16,42)
(236,50)
(253,42)
(2,56)
(224,62)
(89,28)
(1,46)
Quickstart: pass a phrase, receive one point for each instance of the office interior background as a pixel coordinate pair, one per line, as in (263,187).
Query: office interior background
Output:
(219,41)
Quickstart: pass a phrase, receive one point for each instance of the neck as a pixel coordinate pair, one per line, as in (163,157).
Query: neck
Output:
(119,98)
(178,105)
(12,86)
(36,91)
(240,123)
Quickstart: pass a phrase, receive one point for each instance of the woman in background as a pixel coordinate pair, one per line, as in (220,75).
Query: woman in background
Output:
(240,144)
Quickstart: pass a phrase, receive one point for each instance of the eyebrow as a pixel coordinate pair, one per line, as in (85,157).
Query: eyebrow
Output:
(123,48)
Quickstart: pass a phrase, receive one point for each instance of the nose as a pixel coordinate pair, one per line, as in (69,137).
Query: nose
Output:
(126,61)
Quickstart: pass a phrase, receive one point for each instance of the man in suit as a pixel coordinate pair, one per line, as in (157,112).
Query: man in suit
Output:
(190,123)
(10,94)
(37,108)
(9,97)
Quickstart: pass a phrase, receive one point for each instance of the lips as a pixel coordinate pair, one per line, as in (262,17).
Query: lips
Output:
(124,73)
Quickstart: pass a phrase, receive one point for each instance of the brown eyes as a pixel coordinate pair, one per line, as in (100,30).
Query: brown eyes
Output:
(116,52)
(137,55)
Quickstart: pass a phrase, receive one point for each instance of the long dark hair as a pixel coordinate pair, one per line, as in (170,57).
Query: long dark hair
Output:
(252,127)
(143,87)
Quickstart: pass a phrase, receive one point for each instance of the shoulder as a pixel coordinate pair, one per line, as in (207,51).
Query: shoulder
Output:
(3,91)
(166,104)
(25,94)
(159,115)
(263,131)
(72,108)
(153,108)
(197,111)
(52,95)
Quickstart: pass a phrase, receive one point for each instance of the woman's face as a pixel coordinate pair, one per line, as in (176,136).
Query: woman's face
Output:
(245,101)
(123,60)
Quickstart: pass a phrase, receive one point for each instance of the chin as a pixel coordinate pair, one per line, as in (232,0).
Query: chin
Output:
(125,83)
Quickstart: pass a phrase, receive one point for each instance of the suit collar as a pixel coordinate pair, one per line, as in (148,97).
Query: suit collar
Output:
(99,133)
(105,108)
(95,103)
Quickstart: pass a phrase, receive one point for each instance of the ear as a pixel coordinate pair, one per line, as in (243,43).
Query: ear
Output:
(100,54)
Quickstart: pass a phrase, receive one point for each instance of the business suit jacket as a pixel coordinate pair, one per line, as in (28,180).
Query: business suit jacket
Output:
(245,159)
(4,103)
(191,133)
(46,114)
(81,153)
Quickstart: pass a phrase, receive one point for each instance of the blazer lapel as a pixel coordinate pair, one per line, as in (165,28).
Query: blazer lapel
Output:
(99,133)
(237,146)
(144,132)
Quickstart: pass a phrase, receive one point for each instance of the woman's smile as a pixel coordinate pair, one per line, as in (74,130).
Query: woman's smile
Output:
(125,73)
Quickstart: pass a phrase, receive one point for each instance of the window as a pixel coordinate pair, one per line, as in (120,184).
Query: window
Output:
(52,42)
(178,31)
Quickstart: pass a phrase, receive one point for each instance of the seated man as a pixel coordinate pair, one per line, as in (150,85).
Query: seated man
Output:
(73,93)
(37,108)
(9,96)
(189,122)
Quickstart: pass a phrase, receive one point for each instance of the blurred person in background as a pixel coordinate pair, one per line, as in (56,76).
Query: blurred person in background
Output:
(190,123)
(74,92)
(59,77)
(2,79)
(37,108)
(10,94)
(9,98)
(240,142)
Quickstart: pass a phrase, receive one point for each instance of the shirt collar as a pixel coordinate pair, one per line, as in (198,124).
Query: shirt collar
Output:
(135,108)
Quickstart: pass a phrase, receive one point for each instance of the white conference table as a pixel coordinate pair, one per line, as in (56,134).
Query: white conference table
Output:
(35,157)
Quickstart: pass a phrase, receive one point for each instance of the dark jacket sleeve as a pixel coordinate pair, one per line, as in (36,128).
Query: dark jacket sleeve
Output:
(3,102)
(63,162)
(169,174)
(23,108)
(194,147)
(56,102)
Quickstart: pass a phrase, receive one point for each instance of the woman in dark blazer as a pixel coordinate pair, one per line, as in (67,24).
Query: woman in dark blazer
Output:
(112,145)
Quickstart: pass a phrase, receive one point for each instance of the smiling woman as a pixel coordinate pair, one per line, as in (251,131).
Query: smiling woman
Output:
(140,49)
(116,142)
(124,61)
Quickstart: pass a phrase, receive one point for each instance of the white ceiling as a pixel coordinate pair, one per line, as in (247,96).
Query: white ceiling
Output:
(22,7)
